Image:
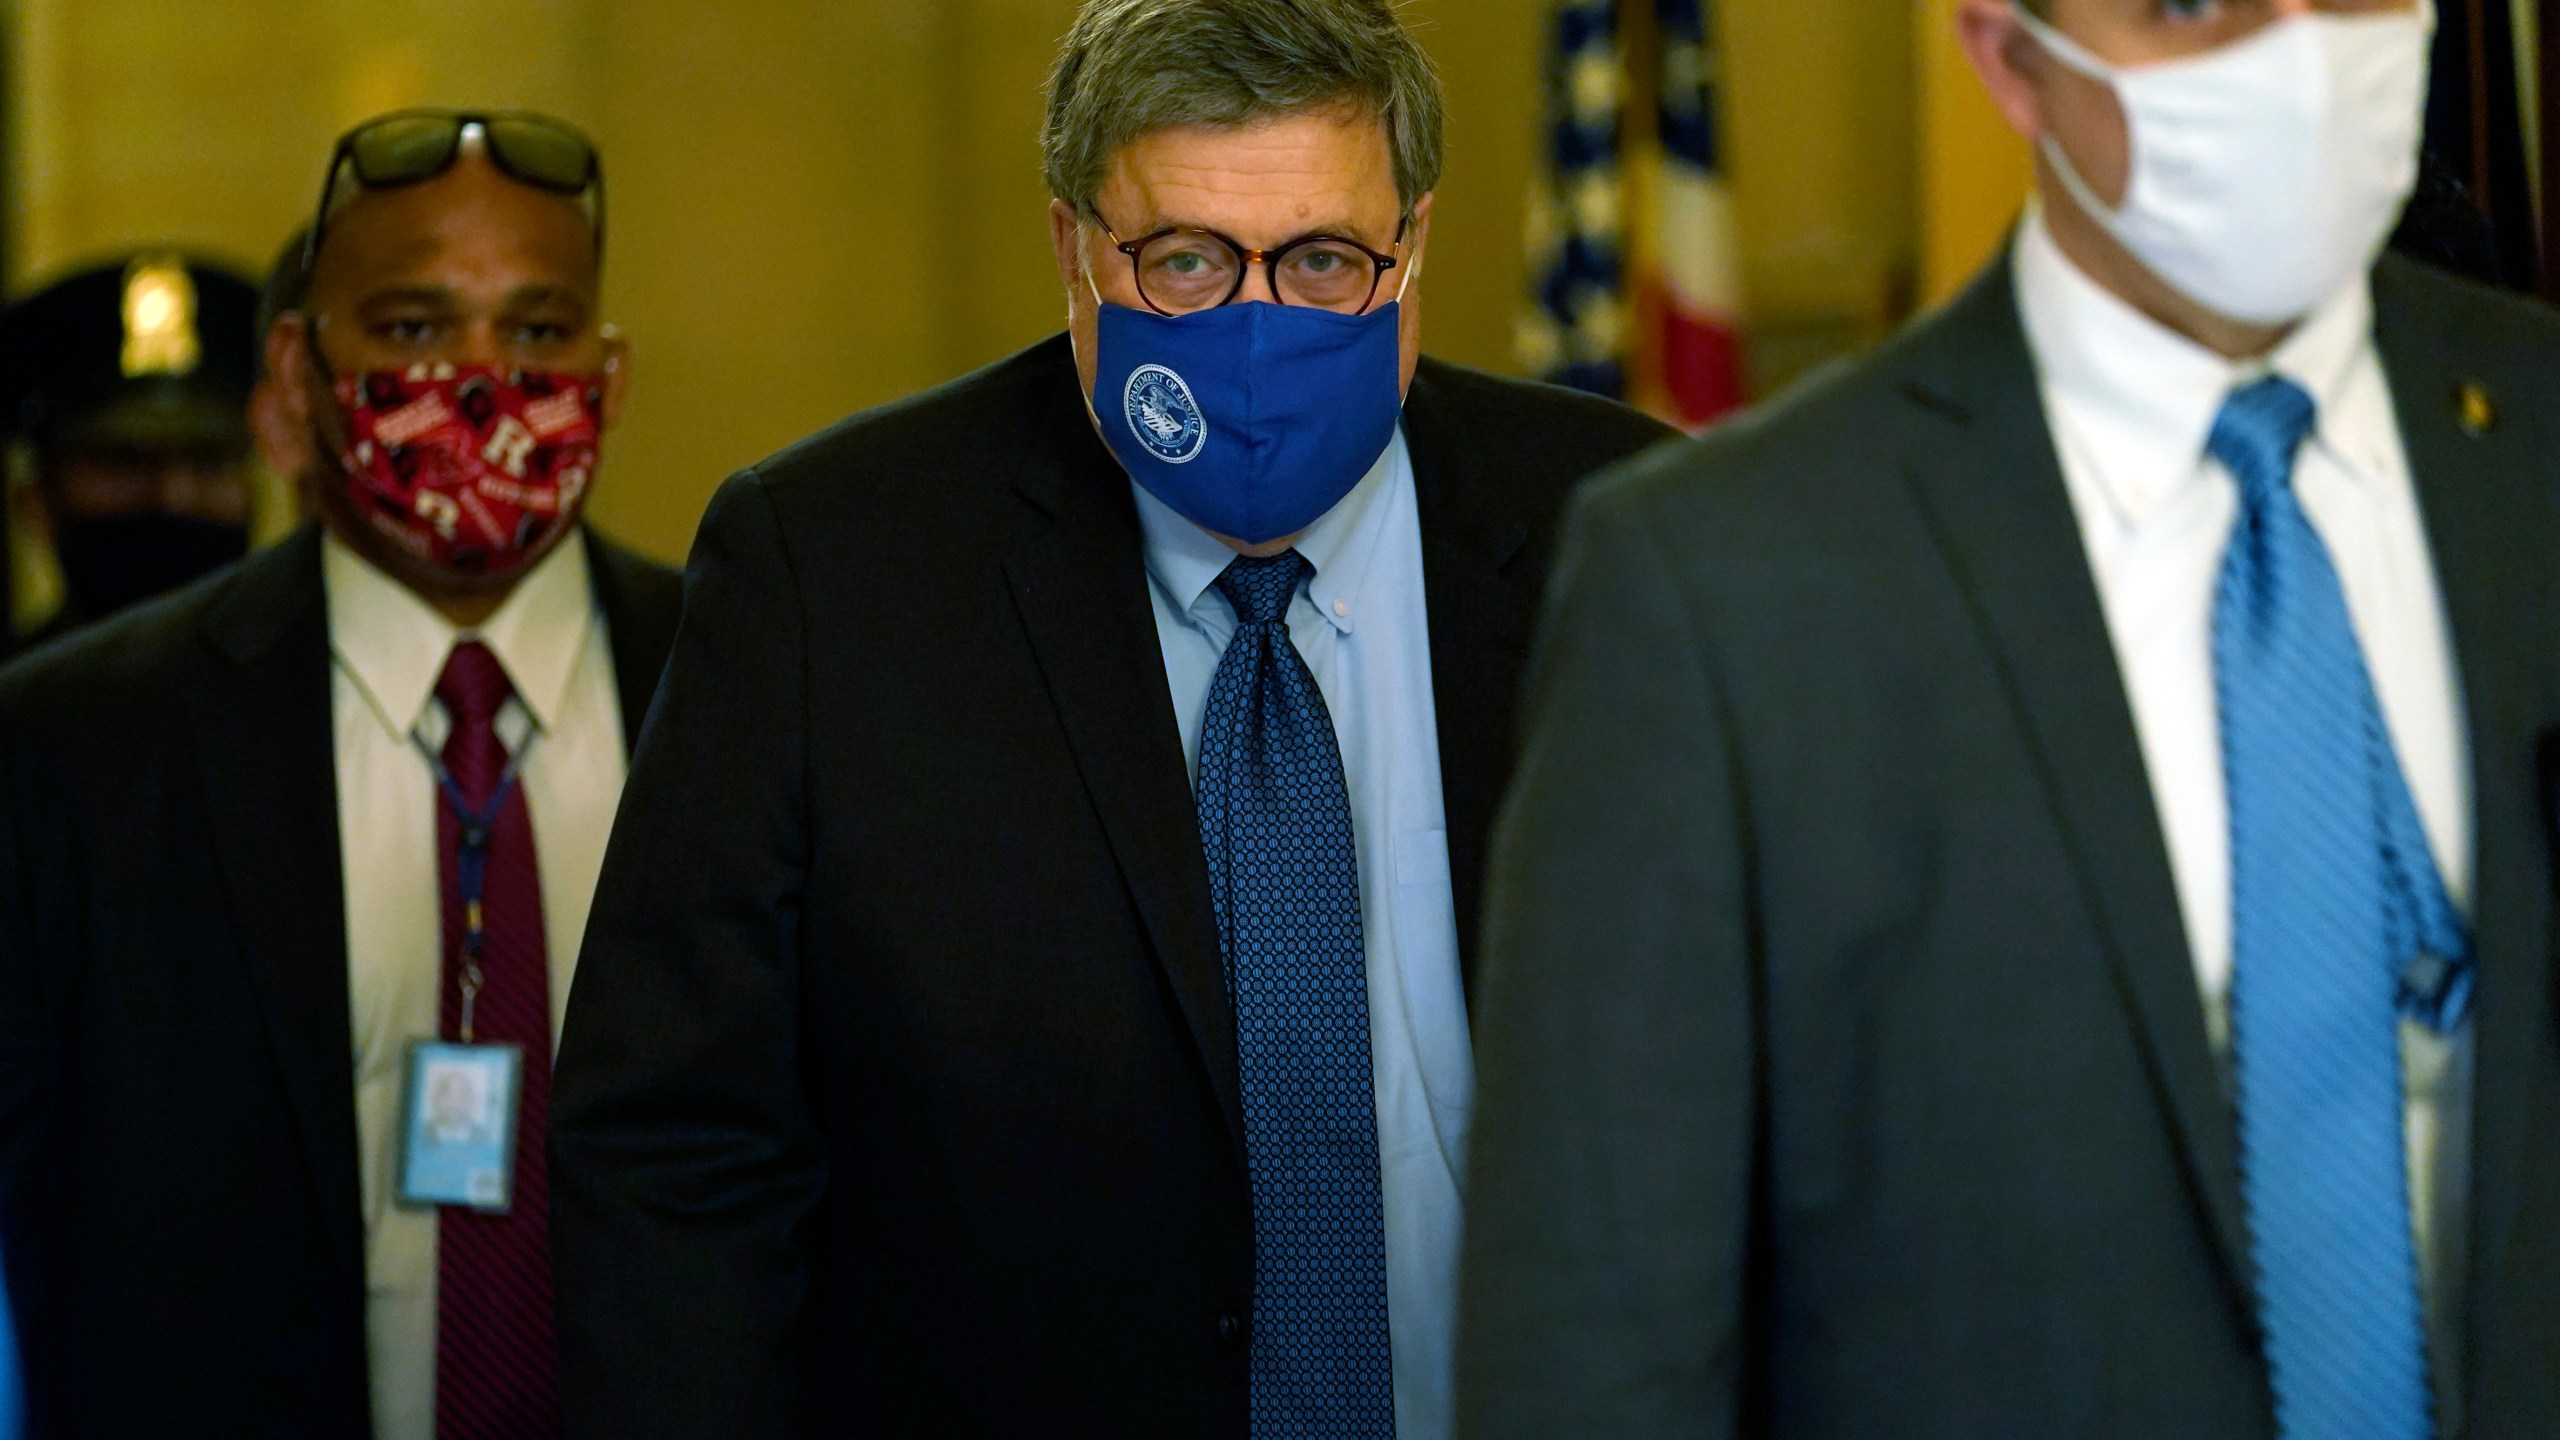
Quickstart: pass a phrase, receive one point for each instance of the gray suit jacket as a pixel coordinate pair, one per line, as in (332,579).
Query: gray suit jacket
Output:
(1844,1071)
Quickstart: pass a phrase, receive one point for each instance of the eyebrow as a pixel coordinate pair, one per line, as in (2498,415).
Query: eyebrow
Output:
(543,292)
(1337,229)
(423,295)
(523,297)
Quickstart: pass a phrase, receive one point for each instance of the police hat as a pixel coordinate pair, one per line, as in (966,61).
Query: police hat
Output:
(153,350)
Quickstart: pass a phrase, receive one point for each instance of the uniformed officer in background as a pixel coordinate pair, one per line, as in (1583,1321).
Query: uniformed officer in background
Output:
(128,383)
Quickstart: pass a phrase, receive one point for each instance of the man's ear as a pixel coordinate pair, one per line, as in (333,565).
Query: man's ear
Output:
(292,368)
(1066,236)
(2008,60)
(285,414)
(617,374)
(284,444)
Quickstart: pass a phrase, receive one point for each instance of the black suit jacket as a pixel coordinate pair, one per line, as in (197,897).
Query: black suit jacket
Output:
(177,1091)
(899,1095)
(1844,1071)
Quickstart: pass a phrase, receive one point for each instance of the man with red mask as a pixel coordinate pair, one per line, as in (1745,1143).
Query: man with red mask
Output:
(293,866)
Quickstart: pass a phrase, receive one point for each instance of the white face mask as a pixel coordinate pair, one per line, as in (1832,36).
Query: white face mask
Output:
(2267,175)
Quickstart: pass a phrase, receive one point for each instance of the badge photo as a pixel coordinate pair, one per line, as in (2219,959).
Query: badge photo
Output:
(458,1134)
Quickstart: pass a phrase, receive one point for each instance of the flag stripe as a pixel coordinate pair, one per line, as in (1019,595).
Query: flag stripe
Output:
(1660,329)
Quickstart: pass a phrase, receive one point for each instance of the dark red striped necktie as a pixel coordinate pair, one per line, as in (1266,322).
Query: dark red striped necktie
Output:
(497,1365)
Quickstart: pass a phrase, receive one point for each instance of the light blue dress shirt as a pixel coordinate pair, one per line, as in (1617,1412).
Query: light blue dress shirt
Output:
(1361,626)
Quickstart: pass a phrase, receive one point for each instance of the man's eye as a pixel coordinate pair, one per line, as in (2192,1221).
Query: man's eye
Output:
(2189,10)
(541,333)
(407,332)
(1190,264)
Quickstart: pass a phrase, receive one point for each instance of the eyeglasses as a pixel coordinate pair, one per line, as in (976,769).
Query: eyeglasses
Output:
(411,147)
(1183,271)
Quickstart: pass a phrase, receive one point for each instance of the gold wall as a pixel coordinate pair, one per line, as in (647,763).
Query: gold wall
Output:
(1974,170)
(1818,96)
(822,205)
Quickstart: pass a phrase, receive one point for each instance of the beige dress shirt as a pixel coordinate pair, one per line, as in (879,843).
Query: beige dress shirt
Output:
(388,647)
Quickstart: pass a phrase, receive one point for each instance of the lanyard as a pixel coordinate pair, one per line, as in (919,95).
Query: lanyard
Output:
(471,862)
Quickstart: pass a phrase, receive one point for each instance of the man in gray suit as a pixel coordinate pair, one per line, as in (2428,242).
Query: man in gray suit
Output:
(2027,905)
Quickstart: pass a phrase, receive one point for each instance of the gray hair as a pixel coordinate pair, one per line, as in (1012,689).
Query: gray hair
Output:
(1129,68)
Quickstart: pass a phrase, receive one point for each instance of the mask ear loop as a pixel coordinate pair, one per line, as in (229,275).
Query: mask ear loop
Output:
(1409,266)
(2081,191)
(1084,262)
(333,438)
(2071,55)
(2065,49)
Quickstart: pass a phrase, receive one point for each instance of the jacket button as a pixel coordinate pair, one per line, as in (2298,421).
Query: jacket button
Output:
(1231,1329)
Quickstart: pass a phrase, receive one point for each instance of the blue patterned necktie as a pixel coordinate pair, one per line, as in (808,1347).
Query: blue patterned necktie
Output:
(1284,874)
(2335,900)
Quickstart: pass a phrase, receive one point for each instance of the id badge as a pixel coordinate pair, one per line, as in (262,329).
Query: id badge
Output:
(458,1126)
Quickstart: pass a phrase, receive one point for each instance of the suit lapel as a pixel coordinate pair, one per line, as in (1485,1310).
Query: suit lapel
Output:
(267,759)
(1080,585)
(1984,471)
(639,630)
(1483,610)
(2485,494)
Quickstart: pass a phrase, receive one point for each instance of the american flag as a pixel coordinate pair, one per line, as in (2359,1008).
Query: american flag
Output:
(1635,291)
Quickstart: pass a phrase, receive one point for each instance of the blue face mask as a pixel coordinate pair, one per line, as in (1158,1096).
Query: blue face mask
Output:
(1251,420)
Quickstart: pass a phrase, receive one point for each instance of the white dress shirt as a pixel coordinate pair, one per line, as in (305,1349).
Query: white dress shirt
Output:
(388,647)
(2131,404)
(1361,626)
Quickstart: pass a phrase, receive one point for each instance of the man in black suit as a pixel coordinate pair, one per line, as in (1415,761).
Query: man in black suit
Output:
(948,1060)
(231,875)
(2026,909)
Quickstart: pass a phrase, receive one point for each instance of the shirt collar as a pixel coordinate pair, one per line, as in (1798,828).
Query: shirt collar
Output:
(394,645)
(2148,396)
(1185,560)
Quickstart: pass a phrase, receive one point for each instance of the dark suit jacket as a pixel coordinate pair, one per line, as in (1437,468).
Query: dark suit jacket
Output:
(54,628)
(1844,1071)
(899,1096)
(177,1090)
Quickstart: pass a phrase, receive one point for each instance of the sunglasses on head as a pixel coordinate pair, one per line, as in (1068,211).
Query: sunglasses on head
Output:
(411,147)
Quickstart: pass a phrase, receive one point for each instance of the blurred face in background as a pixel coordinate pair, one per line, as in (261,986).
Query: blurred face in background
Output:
(99,480)
(2082,113)
(470,269)
(2194,62)
(132,518)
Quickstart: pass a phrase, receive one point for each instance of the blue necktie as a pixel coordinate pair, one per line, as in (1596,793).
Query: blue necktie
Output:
(2335,902)
(1284,874)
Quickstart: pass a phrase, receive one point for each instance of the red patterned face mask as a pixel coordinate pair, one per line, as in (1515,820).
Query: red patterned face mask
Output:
(472,469)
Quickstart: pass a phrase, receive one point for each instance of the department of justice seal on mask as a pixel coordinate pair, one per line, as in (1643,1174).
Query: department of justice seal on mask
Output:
(1163,415)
